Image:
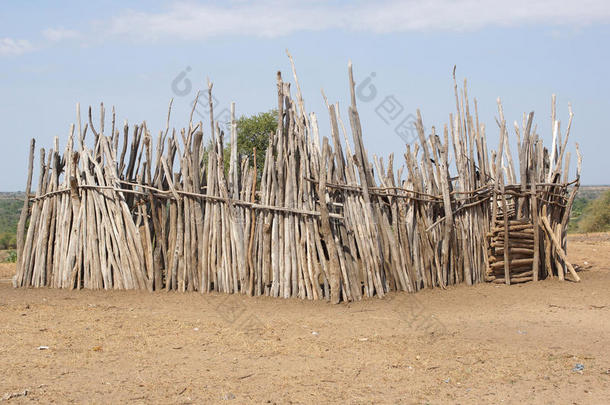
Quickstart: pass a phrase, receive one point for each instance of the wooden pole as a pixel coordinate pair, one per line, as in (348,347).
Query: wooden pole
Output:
(26,207)
(558,249)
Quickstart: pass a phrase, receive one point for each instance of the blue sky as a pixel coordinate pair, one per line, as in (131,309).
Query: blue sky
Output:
(128,53)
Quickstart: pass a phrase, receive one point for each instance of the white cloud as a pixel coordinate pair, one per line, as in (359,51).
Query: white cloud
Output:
(10,46)
(272,18)
(13,47)
(190,20)
(59,34)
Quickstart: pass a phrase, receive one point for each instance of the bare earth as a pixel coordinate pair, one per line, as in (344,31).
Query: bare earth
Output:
(482,344)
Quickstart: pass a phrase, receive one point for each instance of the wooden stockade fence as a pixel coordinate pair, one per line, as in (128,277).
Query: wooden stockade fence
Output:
(323,222)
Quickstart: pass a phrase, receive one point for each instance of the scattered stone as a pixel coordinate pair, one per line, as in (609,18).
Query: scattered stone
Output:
(578,368)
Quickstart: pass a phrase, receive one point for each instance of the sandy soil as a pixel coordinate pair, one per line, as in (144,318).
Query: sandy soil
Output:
(482,344)
(7,270)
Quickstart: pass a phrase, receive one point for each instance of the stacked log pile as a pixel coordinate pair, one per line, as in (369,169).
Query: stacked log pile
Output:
(120,208)
(515,243)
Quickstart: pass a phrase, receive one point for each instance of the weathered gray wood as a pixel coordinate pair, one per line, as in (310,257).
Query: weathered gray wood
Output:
(325,228)
(26,206)
(557,246)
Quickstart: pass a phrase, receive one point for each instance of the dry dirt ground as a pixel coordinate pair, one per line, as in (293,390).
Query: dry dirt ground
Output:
(482,344)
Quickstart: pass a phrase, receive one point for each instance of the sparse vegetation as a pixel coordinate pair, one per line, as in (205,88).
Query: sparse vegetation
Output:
(582,209)
(10,210)
(596,215)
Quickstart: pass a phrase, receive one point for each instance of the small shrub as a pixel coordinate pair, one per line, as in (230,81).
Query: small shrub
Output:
(12,257)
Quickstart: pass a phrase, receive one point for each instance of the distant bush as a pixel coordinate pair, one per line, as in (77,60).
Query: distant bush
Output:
(578,207)
(8,240)
(596,215)
(9,216)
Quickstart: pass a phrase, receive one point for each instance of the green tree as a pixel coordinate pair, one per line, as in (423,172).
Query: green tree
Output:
(253,132)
